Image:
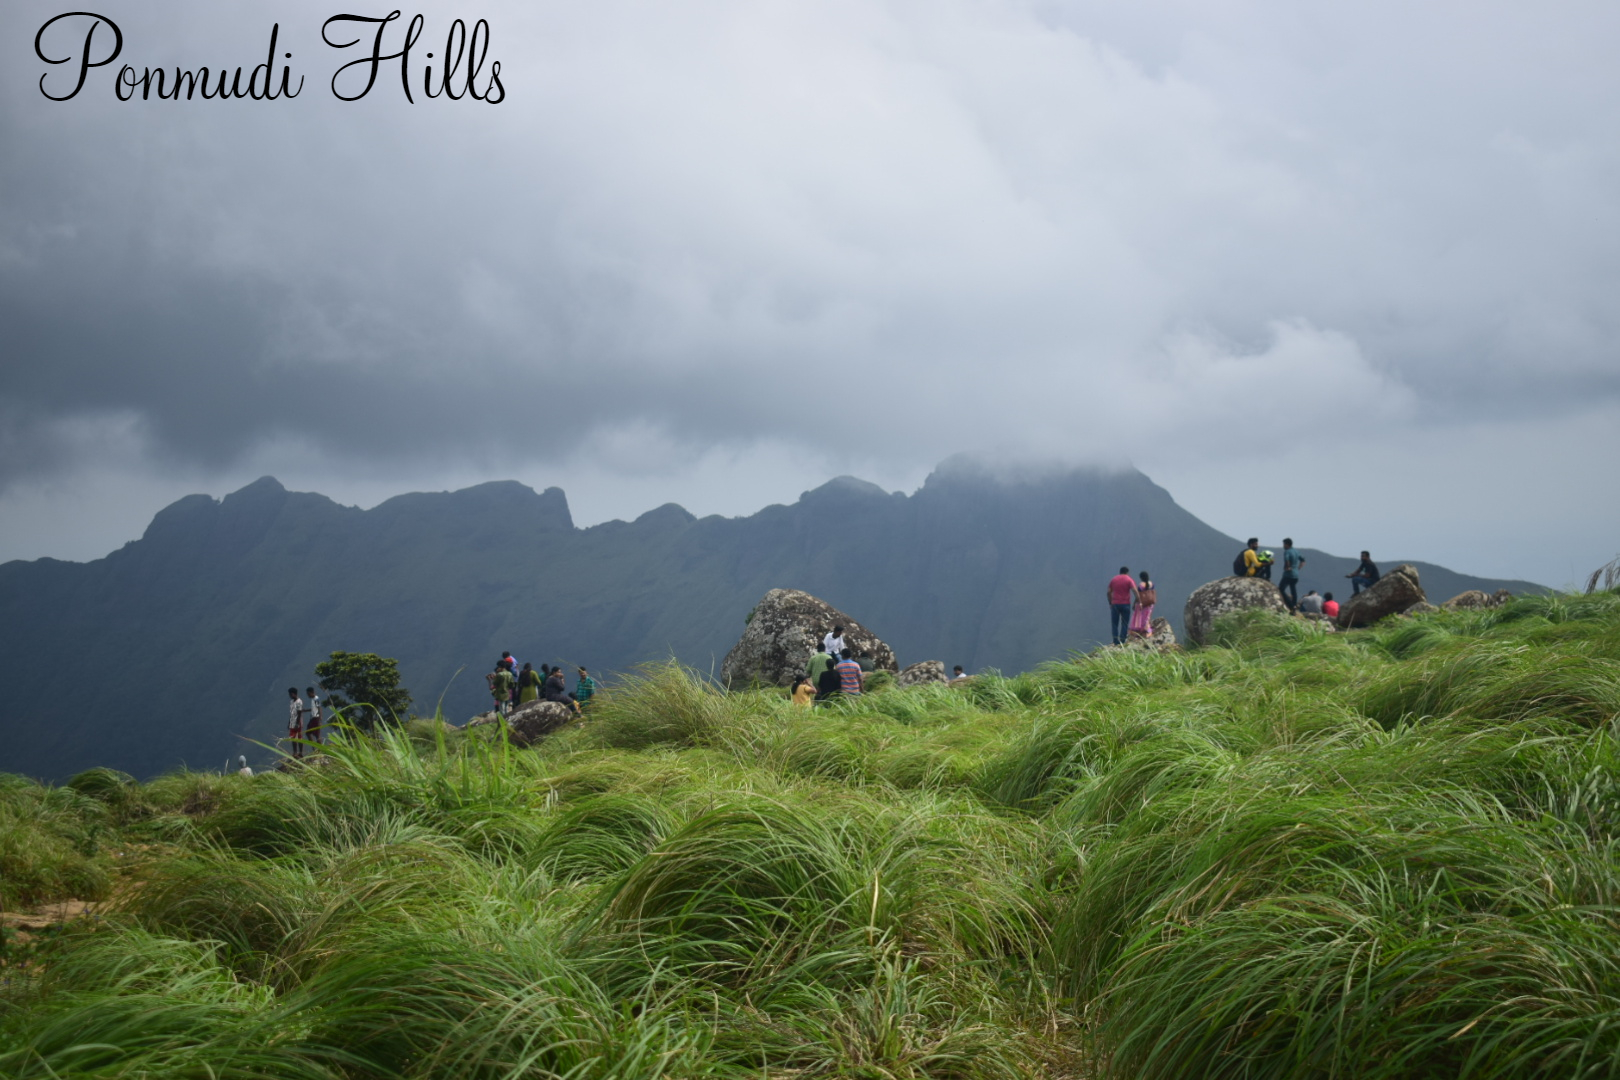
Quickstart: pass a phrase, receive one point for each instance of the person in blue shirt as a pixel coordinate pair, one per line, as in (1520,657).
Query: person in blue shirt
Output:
(1292,560)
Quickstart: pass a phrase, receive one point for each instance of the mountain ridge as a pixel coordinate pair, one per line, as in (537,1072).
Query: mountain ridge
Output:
(202,623)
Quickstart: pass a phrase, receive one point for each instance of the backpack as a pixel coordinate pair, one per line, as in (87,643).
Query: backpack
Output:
(1147,597)
(1239,568)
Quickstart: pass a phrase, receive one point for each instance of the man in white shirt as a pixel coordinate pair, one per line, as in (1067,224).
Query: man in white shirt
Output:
(295,721)
(833,643)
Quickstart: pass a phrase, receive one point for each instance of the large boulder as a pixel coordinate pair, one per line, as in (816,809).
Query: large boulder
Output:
(1209,602)
(530,723)
(1389,595)
(1472,600)
(923,671)
(784,630)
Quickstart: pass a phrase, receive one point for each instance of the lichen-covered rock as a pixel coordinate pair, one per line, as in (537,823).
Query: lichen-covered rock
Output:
(530,723)
(1389,595)
(923,671)
(1209,602)
(1422,607)
(1471,600)
(783,632)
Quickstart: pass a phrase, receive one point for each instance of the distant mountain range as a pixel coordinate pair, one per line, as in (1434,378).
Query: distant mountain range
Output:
(181,644)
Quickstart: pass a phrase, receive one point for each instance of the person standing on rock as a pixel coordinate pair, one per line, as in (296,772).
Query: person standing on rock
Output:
(850,676)
(295,722)
(1289,585)
(1247,563)
(1142,608)
(1121,592)
(528,685)
(500,687)
(834,641)
(312,709)
(1364,576)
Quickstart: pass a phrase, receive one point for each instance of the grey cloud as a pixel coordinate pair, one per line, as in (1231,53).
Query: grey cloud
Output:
(879,231)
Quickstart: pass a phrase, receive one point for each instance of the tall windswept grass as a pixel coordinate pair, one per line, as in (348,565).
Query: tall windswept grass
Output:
(1390,853)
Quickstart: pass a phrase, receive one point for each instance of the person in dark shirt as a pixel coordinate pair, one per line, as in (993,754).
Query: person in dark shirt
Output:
(827,684)
(1363,576)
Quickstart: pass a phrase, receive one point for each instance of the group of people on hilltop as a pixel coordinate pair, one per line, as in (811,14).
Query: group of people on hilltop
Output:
(1131,600)
(511,687)
(835,670)
(303,721)
(1254,562)
(1130,605)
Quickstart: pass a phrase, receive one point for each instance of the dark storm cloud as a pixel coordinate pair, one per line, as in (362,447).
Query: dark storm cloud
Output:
(848,231)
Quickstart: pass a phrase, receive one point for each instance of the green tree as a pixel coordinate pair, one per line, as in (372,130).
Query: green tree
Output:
(367,680)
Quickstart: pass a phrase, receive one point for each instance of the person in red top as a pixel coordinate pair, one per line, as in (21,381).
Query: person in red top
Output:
(1121,592)
(1330,606)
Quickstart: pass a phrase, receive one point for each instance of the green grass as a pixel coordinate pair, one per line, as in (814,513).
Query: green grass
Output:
(1388,853)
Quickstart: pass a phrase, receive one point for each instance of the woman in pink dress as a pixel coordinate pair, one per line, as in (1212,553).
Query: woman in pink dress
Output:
(1142,609)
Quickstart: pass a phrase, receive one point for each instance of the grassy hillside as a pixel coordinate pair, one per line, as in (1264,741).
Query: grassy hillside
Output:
(1389,853)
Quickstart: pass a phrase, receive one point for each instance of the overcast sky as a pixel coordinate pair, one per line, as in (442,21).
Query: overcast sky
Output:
(1345,271)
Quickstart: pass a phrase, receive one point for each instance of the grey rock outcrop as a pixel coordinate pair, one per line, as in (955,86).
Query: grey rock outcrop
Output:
(1472,600)
(1163,638)
(530,723)
(1422,607)
(783,632)
(1209,602)
(923,671)
(1389,595)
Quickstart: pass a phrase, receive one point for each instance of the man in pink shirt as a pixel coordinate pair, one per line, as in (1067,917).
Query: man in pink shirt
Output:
(1121,592)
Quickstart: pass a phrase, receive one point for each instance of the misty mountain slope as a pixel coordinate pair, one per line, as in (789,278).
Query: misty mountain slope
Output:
(180,644)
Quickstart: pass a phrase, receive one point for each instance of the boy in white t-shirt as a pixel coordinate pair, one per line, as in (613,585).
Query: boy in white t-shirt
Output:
(295,721)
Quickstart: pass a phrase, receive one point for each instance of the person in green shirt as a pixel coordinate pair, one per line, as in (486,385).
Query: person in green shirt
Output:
(500,687)
(820,661)
(585,689)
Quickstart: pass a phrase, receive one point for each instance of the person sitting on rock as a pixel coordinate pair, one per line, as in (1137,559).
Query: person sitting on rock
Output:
(1364,576)
(1330,606)
(1310,604)
(584,689)
(555,689)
